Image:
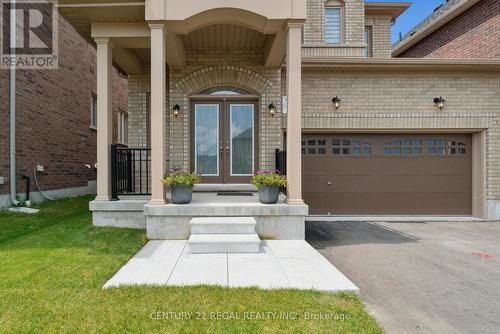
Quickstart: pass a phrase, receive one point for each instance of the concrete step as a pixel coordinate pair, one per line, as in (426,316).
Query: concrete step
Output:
(224,243)
(223,225)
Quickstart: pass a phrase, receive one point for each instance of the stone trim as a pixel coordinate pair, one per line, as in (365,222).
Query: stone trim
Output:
(223,75)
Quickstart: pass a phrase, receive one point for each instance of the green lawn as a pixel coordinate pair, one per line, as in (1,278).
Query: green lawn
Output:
(53,265)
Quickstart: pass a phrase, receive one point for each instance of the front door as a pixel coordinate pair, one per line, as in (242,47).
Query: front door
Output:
(224,141)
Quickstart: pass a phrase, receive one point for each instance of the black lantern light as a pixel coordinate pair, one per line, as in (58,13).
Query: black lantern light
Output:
(272,109)
(336,102)
(439,102)
(176,110)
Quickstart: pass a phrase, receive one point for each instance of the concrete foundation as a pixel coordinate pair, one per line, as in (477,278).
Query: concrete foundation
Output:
(493,210)
(171,221)
(123,213)
(278,221)
(37,197)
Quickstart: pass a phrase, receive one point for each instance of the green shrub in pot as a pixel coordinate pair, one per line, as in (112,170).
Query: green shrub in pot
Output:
(181,186)
(268,183)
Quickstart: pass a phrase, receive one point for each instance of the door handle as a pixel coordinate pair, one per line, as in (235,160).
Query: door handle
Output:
(329,183)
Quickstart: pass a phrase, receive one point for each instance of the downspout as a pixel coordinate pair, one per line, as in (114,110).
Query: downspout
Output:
(12,107)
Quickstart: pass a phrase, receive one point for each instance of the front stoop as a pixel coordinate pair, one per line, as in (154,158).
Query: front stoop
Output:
(274,221)
(278,221)
(223,235)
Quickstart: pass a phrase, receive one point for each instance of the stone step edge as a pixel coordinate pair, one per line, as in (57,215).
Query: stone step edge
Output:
(223,221)
(224,238)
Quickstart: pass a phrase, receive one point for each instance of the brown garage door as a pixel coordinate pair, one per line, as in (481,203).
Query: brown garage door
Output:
(387,174)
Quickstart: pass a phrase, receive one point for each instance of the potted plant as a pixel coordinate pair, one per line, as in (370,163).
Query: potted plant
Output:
(181,186)
(268,182)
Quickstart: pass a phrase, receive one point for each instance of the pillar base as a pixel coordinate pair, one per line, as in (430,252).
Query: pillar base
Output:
(157,202)
(298,201)
(102,198)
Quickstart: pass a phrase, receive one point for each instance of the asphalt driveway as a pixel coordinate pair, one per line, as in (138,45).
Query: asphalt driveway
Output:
(433,277)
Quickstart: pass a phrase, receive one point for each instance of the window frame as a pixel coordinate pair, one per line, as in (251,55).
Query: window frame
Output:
(93,111)
(334,5)
(122,127)
(369,41)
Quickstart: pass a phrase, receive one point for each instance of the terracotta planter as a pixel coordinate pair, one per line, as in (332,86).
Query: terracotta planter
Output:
(181,194)
(269,194)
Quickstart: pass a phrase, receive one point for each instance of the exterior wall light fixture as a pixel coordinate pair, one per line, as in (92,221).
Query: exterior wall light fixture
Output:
(176,110)
(439,102)
(336,102)
(272,109)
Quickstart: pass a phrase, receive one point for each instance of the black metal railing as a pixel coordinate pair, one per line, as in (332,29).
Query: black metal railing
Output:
(130,171)
(280,161)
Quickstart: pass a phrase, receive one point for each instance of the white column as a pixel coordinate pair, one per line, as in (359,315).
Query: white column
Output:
(104,118)
(158,116)
(294,125)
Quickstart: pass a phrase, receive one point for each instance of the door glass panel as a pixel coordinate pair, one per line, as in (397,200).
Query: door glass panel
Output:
(206,139)
(242,139)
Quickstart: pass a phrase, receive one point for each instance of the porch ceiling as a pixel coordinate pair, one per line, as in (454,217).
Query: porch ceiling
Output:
(81,15)
(225,36)
(123,22)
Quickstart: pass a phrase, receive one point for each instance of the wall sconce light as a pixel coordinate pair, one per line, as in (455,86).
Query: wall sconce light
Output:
(439,102)
(272,109)
(336,102)
(176,110)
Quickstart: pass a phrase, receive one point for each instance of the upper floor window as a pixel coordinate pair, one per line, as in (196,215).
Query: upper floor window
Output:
(333,23)
(368,41)
(93,111)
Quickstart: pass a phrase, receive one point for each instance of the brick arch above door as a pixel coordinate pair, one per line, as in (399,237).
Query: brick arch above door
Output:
(223,75)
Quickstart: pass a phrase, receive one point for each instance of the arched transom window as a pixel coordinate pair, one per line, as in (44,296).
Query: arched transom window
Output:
(224,90)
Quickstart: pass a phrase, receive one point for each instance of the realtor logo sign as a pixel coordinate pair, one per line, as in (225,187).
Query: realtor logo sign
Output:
(29,35)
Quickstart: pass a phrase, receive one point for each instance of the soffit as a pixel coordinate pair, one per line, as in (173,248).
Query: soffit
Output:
(225,36)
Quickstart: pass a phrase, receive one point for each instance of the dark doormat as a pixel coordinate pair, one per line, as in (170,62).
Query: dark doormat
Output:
(233,193)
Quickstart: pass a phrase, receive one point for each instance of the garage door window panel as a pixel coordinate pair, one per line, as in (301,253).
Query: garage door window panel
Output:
(314,146)
(350,147)
(403,147)
(442,147)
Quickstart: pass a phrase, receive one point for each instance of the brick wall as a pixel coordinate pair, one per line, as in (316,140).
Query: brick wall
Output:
(381,36)
(138,90)
(354,16)
(403,101)
(204,69)
(473,34)
(354,21)
(53,116)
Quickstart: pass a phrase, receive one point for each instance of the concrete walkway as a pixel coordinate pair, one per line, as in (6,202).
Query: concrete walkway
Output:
(280,264)
(439,277)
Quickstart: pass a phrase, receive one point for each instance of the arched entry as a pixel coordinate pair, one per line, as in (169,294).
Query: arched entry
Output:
(224,134)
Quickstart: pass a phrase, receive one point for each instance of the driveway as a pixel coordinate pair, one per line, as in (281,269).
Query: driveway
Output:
(429,277)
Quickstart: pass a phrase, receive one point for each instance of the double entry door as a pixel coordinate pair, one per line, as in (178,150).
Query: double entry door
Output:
(224,140)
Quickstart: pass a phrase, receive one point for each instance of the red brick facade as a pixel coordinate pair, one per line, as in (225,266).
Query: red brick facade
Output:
(53,116)
(473,34)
